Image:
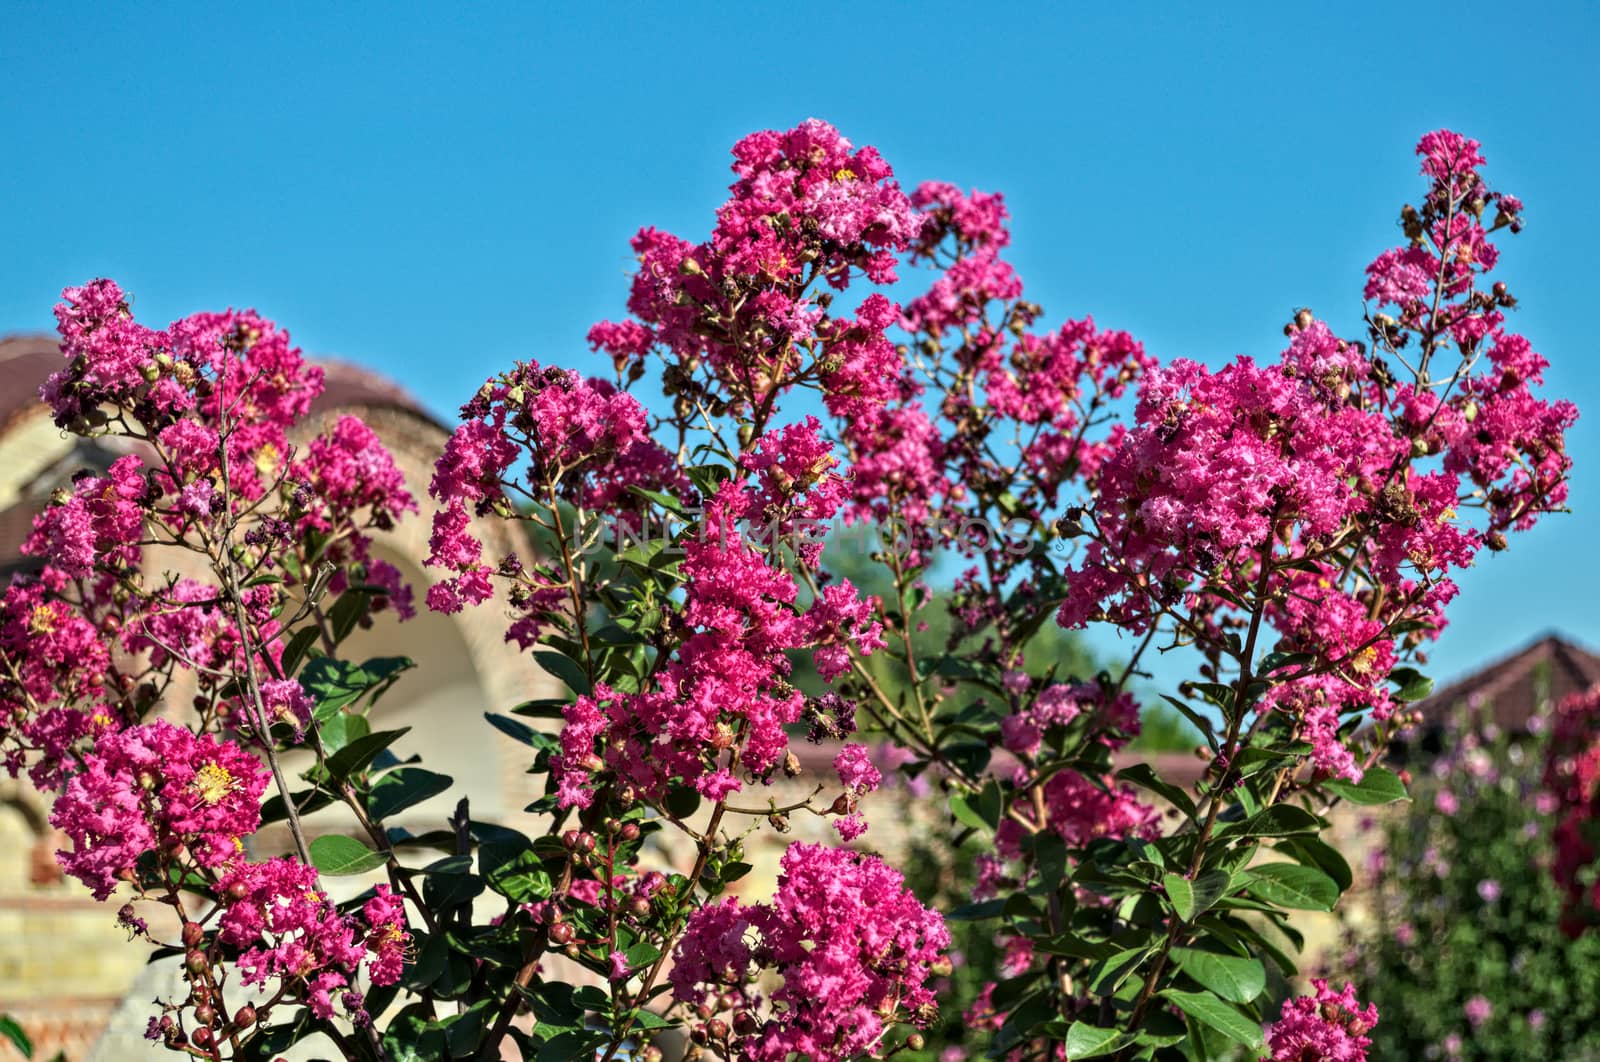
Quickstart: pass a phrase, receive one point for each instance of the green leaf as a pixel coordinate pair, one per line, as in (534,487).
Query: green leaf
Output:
(976,911)
(359,754)
(1181,893)
(1201,723)
(1378,785)
(336,684)
(1414,685)
(403,788)
(1210,887)
(1214,1013)
(1292,885)
(410,1037)
(514,871)
(338,855)
(342,729)
(298,647)
(1280,820)
(542,708)
(520,731)
(13,1032)
(961,807)
(1107,975)
(564,668)
(1236,979)
(1322,856)
(1091,1041)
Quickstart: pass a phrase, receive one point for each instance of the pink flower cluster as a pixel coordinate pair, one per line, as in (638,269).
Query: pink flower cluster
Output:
(156,787)
(725,686)
(806,207)
(854,948)
(583,441)
(1326,1027)
(1077,808)
(288,931)
(860,776)
(52,694)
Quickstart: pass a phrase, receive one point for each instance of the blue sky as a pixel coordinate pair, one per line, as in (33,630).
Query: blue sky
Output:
(434,192)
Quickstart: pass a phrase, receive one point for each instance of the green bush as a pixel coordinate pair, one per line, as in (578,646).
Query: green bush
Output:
(1467,919)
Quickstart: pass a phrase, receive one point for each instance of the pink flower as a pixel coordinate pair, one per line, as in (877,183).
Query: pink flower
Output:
(152,786)
(856,770)
(288,930)
(387,936)
(852,946)
(1326,1027)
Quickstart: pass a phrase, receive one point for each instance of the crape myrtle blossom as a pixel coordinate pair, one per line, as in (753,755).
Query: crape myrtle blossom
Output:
(853,947)
(725,687)
(289,932)
(153,786)
(1328,487)
(1328,1026)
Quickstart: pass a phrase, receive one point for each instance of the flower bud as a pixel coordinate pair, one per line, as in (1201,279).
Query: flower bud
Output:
(195,961)
(561,933)
(245,1016)
(193,934)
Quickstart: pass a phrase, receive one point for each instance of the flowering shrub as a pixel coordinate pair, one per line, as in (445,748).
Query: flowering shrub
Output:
(1470,950)
(1297,522)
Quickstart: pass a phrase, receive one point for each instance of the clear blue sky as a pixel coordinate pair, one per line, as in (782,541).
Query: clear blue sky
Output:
(435,191)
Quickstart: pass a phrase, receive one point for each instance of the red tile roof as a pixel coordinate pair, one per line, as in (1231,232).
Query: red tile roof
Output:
(1514,687)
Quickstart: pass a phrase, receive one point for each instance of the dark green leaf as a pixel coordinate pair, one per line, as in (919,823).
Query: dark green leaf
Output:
(564,668)
(1280,820)
(1236,979)
(359,754)
(1315,853)
(1107,975)
(1293,885)
(336,684)
(514,871)
(1142,774)
(1090,1041)
(298,647)
(13,1032)
(1181,893)
(1214,1013)
(401,789)
(1414,685)
(520,731)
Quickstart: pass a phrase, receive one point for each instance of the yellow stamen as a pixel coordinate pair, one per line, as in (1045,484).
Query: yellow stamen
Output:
(213,782)
(44,619)
(267,459)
